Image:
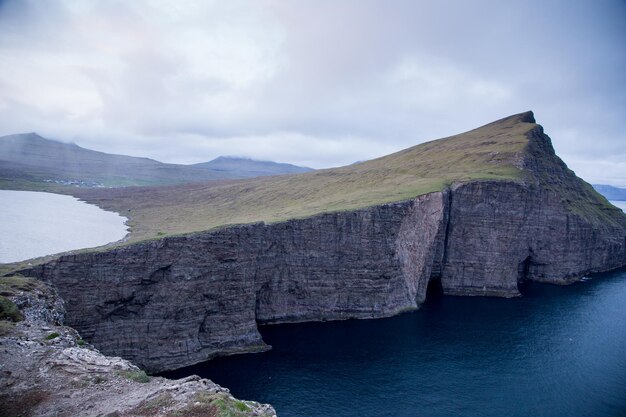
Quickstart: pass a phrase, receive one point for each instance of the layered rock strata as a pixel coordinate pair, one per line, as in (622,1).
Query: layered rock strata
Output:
(47,370)
(180,300)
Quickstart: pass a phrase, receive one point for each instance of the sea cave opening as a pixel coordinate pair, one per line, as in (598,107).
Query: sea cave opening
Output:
(434,290)
(523,270)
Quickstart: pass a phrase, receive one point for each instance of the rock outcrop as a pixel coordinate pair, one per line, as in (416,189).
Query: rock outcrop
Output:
(180,300)
(46,369)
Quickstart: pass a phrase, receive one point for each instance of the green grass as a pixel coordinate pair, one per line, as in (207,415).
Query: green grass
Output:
(9,311)
(137,376)
(489,152)
(229,407)
(52,336)
(214,405)
(11,286)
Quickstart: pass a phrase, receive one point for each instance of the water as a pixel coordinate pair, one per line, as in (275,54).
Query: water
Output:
(556,351)
(35,224)
(620,204)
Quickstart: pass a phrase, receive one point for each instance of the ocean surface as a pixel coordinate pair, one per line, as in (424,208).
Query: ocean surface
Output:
(555,351)
(35,224)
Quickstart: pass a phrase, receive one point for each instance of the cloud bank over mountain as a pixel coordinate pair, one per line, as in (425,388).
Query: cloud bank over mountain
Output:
(318,84)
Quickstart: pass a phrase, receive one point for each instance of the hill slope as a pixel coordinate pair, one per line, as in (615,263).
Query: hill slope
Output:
(245,167)
(30,161)
(494,151)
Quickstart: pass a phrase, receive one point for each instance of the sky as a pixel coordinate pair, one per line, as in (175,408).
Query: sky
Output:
(317,83)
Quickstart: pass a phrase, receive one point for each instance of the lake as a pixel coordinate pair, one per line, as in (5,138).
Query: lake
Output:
(555,351)
(35,224)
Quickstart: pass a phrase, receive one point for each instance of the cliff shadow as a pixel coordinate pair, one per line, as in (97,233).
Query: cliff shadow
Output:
(434,290)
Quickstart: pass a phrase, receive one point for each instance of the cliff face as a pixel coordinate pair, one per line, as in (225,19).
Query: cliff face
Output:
(180,300)
(551,227)
(48,371)
(503,233)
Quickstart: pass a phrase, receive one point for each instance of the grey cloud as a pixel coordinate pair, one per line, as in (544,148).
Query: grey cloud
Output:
(318,83)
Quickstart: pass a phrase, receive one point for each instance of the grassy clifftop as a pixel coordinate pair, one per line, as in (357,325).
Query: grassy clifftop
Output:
(489,152)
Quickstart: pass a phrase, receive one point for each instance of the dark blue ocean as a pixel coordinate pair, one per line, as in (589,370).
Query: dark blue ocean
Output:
(556,351)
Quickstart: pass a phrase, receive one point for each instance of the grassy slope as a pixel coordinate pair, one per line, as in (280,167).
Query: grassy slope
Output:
(488,152)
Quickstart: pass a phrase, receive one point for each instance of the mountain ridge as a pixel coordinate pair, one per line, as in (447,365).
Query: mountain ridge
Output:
(611,192)
(254,166)
(30,161)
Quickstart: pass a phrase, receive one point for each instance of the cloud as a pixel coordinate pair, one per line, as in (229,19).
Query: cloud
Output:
(319,83)
(600,171)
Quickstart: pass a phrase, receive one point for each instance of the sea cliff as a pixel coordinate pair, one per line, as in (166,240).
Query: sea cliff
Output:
(180,300)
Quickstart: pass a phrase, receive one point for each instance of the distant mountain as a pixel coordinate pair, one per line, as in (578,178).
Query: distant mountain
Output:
(29,161)
(610,192)
(246,167)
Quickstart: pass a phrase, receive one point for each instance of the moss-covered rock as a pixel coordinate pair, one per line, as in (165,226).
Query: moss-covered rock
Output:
(8,310)
(13,285)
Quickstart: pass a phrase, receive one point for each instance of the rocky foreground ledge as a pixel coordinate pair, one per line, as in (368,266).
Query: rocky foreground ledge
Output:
(46,369)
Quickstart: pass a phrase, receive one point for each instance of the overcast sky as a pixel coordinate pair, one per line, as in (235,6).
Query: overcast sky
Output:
(318,83)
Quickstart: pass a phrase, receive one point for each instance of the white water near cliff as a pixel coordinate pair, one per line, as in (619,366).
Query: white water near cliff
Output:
(36,224)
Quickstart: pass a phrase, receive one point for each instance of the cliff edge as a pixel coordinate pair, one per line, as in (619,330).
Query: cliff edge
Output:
(475,213)
(46,369)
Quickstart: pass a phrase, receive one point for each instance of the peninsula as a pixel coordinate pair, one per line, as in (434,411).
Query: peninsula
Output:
(474,214)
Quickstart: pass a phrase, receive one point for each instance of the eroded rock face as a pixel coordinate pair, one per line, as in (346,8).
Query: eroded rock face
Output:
(551,227)
(180,300)
(47,370)
(515,232)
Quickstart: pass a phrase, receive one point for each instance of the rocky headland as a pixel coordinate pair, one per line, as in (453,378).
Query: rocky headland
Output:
(47,369)
(511,211)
